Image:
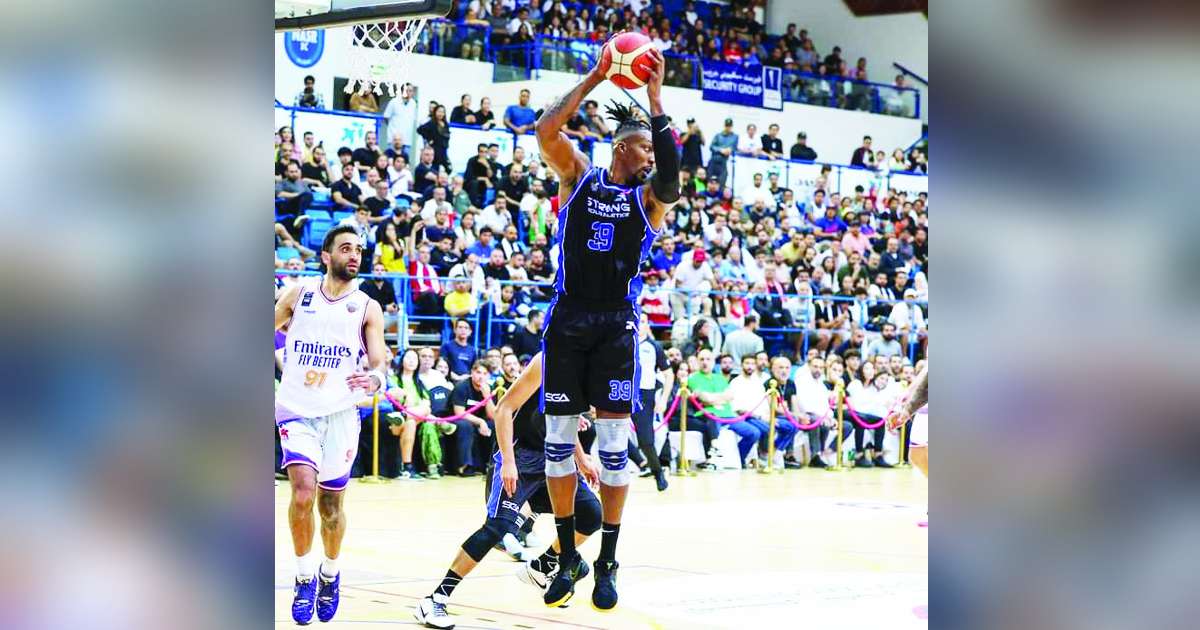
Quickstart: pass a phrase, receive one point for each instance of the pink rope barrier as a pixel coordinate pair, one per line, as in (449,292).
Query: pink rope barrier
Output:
(859,421)
(700,407)
(420,418)
(670,412)
(799,425)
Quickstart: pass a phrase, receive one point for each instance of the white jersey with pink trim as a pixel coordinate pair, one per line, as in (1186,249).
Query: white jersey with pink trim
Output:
(920,427)
(325,345)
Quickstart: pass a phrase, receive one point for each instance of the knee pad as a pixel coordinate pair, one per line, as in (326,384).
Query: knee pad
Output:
(560,445)
(587,517)
(612,437)
(484,538)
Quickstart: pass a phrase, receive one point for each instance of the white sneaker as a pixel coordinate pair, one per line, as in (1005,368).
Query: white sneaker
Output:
(533,577)
(431,611)
(533,542)
(514,548)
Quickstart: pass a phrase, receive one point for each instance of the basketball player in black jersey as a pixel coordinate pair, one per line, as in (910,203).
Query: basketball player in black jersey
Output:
(517,417)
(606,227)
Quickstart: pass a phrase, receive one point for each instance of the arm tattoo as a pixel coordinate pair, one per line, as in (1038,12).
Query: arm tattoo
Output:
(920,393)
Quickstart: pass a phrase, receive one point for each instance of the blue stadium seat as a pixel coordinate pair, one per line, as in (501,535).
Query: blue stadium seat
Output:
(489,196)
(314,231)
(341,215)
(287,253)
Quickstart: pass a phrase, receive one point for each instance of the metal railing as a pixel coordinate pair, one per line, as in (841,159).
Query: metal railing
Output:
(488,328)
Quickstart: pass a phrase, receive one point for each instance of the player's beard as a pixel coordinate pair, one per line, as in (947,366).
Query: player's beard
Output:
(342,271)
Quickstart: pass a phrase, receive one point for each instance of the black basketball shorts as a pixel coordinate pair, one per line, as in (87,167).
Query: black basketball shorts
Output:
(589,357)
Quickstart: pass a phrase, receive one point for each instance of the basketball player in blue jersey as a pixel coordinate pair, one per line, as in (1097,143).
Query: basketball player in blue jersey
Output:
(606,227)
(331,327)
(520,438)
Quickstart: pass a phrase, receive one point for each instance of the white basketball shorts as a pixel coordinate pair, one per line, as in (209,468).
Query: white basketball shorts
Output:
(920,429)
(327,444)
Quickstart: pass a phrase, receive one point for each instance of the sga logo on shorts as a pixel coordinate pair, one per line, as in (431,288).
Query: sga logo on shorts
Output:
(557,398)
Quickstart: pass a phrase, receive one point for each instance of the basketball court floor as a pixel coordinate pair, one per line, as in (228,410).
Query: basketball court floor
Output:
(729,549)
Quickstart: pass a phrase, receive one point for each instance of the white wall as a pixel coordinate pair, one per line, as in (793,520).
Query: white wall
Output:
(833,133)
(882,39)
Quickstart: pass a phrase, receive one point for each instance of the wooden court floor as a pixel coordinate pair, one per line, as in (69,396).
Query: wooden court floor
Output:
(728,549)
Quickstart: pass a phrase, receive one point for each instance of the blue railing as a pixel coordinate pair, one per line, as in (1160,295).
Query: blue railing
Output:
(578,55)
(910,73)
(488,328)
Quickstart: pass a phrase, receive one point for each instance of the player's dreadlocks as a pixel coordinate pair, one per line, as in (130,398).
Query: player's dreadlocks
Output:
(627,119)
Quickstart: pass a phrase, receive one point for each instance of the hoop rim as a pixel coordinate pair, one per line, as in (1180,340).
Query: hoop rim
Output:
(366,14)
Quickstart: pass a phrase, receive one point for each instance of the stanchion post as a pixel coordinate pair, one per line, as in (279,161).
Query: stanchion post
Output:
(902,463)
(374,476)
(772,398)
(684,467)
(841,411)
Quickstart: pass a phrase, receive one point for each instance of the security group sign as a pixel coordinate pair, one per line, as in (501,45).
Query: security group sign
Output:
(752,86)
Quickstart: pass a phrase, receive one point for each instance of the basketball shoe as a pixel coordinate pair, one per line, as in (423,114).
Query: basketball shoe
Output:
(604,593)
(431,611)
(561,588)
(328,596)
(304,601)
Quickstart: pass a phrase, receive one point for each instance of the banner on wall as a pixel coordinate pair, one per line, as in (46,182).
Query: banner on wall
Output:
(849,177)
(911,184)
(334,130)
(802,179)
(752,86)
(465,141)
(745,168)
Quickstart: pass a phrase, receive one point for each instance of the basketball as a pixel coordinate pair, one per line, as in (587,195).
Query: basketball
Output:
(630,57)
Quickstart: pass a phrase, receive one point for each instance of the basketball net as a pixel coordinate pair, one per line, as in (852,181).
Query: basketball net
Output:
(380,53)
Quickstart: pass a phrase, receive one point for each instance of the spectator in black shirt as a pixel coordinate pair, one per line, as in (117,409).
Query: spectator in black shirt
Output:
(801,150)
(693,143)
(365,157)
(379,204)
(514,187)
(345,192)
(425,175)
(771,143)
(479,176)
(381,290)
(485,117)
(834,59)
(859,158)
(436,132)
(462,114)
(315,172)
(443,257)
(496,267)
(527,340)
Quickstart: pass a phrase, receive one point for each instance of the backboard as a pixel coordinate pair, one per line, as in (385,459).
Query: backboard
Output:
(291,15)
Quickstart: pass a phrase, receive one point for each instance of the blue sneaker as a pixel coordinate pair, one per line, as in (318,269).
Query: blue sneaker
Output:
(304,601)
(327,598)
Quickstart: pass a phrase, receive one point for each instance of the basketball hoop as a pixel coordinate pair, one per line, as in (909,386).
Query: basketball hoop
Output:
(380,53)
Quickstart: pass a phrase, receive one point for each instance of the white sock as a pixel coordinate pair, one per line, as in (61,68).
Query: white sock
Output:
(306,565)
(329,568)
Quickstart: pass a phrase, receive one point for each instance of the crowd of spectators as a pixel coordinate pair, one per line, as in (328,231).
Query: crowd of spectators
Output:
(831,288)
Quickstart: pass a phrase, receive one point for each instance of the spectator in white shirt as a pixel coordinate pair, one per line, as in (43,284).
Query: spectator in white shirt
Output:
(718,234)
(401,114)
(438,202)
(400,178)
(759,192)
(695,277)
(750,144)
(496,216)
(908,319)
(811,404)
(469,268)
(869,397)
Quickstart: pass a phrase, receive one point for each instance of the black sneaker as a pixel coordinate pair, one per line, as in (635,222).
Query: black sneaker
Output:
(706,466)
(562,588)
(817,462)
(604,593)
(862,462)
(880,463)
(645,472)
(791,463)
(661,480)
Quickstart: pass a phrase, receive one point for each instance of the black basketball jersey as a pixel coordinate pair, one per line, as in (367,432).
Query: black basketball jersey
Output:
(603,236)
(529,426)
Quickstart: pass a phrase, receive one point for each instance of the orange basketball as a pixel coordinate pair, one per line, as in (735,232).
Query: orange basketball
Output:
(630,57)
